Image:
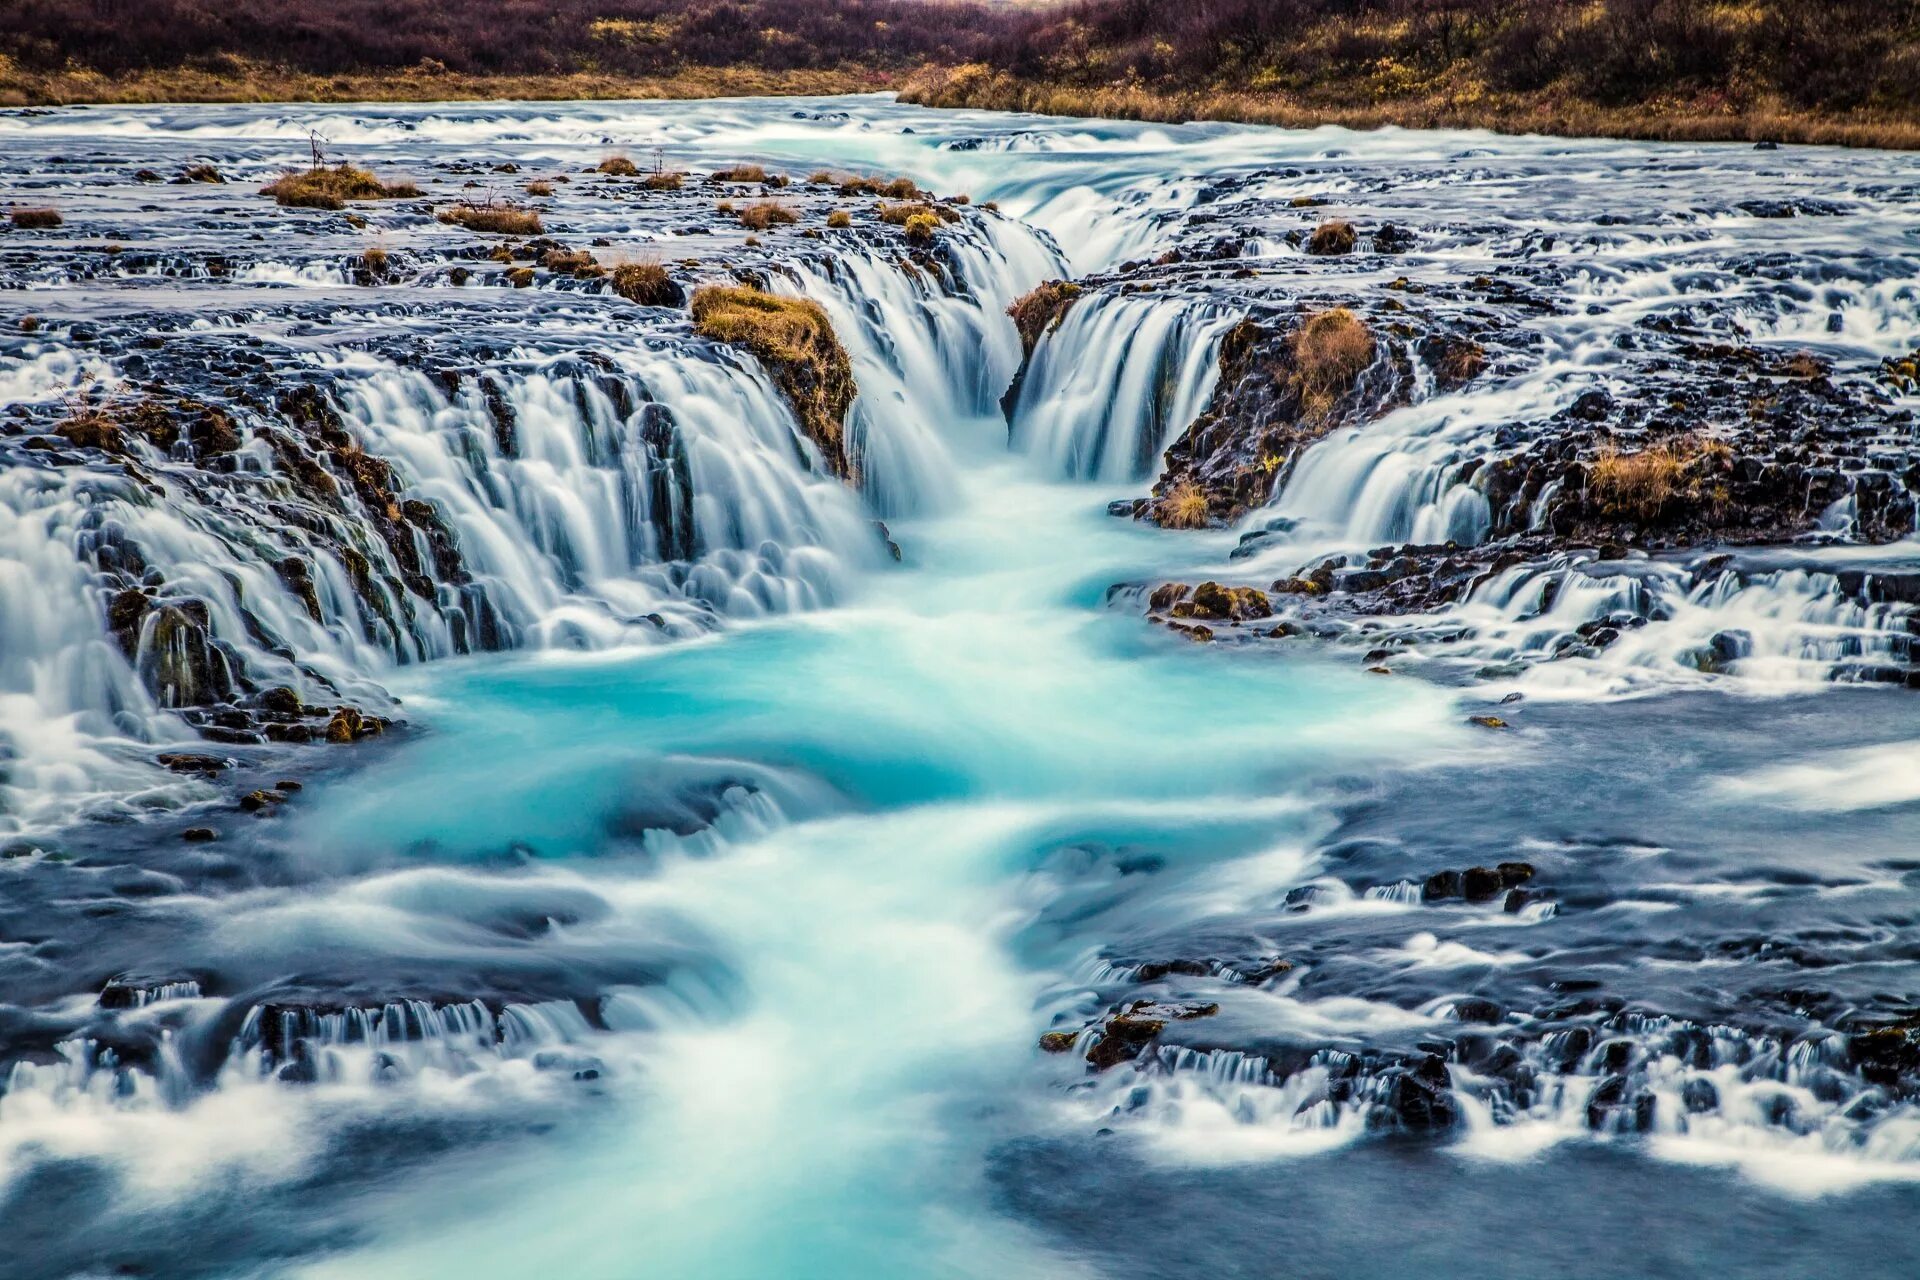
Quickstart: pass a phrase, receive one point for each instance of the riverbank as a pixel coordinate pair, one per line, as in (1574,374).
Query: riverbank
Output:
(242,81)
(979,88)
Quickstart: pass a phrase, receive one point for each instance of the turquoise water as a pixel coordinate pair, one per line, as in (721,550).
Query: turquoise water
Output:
(887,940)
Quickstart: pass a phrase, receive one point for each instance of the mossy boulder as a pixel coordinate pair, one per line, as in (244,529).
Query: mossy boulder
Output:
(793,339)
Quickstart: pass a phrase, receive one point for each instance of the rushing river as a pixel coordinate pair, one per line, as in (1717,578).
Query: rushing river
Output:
(709,927)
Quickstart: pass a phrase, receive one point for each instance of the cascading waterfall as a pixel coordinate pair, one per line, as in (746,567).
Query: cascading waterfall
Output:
(1115,381)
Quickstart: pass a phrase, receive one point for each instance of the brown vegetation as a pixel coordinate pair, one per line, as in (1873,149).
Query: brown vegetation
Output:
(794,340)
(646,283)
(324,188)
(767,213)
(1639,486)
(742,173)
(619,167)
(1332,239)
(665,180)
(839,219)
(493,219)
(1041,309)
(1185,506)
(539,188)
(1330,351)
(35,219)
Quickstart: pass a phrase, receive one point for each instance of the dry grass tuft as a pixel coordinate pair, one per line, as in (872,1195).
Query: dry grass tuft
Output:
(839,220)
(1184,506)
(665,180)
(1332,239)
(35,219)
(494,219)
(1639,486)
(539,188)
(198,173)
(920,228)
(743,173)
(322,188)
(1041,309)
(647,284)
(1330,351)
(794,340)
(619,167)
(767,213)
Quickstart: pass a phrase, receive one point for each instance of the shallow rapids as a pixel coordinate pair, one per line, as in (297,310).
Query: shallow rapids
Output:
(752,889)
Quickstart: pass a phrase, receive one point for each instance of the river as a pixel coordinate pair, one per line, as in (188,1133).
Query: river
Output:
(711,926)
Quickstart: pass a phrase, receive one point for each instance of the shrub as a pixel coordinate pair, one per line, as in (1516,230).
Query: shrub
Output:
(664,181)
(619,167)
(36,219)
(648,284)
(494,219)
(1041,309)
(794,340)
(1330,351)
(322,188)
(839,219)
(768,213)
(1331,239)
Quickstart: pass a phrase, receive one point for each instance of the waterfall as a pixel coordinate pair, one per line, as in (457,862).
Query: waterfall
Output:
(1116,381)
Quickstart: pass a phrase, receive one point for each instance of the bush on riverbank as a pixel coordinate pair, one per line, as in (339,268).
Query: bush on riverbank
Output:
(35,219)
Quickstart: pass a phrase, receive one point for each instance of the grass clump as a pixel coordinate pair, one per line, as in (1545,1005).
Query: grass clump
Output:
(493,219)
(520,277)
(1041,309)
(920,228)
(743,173)
(1330,351)
(618,167)
(793,339)
(1332,239)
(767,213)
(198,173)
(839,219)
(1639,486)
(1184,506)
(647,284)
(35,219)
(539,188)
(324,188)
(665,180)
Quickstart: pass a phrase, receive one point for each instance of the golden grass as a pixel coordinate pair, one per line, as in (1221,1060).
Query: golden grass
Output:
(200,173)
(539,188)
(767,213)
(1184,506)
(35,219)
(619,167)
(920,228)
(664,181)
(323,188)
(975,85)
(1330,351)
(493,219)
(1640,485)
(647,284)
(794,340)
(742,173)
(839,219)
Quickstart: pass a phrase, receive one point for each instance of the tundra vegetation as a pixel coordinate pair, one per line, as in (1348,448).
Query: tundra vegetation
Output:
(1844,71)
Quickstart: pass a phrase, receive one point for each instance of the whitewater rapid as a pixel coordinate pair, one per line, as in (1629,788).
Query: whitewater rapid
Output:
(705,921)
